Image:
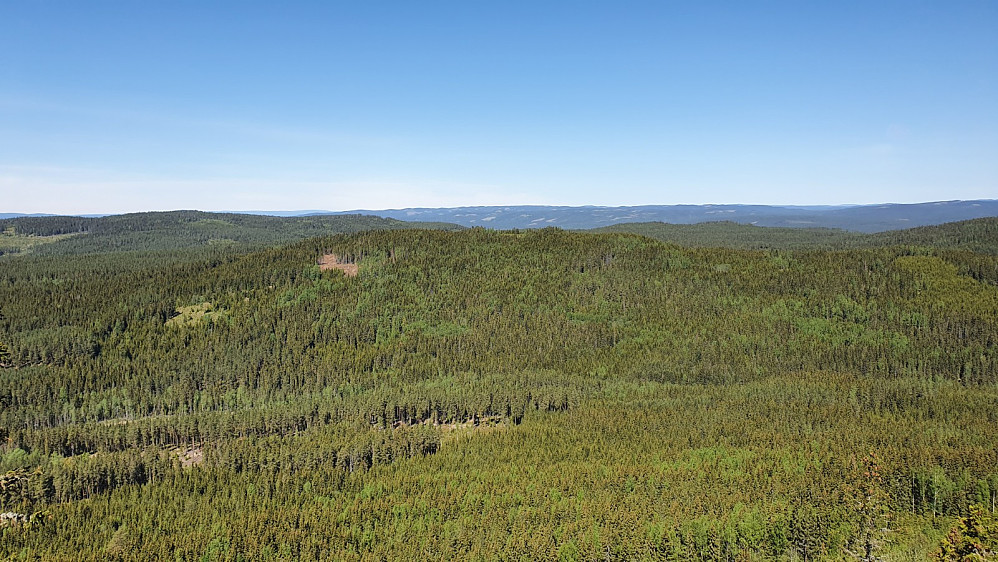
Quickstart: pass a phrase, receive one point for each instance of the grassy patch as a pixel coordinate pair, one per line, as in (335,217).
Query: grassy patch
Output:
(188,315)
(11,243)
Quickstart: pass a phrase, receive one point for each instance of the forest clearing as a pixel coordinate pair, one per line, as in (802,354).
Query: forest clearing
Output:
(332,261)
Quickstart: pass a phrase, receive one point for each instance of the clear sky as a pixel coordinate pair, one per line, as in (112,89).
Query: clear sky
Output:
(154,105)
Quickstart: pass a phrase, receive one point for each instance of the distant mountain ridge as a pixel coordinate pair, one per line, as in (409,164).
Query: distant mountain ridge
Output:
(19,215)
(857,218)
(861,218)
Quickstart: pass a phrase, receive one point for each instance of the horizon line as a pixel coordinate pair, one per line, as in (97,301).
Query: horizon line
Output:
(303,212)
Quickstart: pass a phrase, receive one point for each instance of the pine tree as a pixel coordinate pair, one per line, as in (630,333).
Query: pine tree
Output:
(5,355)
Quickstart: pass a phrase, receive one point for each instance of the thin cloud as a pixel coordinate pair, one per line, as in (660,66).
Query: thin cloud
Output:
(69,192)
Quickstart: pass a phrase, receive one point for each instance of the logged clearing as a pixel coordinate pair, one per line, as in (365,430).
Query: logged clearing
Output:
(332,261)
(191,456)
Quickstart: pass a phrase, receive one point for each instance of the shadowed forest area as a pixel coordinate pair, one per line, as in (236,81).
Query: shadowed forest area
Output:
(735,393)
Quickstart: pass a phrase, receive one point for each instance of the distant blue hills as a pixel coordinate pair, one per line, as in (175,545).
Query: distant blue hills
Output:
(861,218)
(19,215)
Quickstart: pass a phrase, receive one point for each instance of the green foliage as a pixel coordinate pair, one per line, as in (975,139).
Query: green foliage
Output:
(977,235)
(482,395)
(974,537)
(12,243)
(173,230)
(742,236)
(5,355)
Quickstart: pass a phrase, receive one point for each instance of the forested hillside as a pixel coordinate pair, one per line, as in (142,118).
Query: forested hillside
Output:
(173,230)
(729,234)
(977,235)
(496,395)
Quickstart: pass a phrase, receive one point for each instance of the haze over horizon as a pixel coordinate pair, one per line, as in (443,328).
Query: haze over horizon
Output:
(111,107)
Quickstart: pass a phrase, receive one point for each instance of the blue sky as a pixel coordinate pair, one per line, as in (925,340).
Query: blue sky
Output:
(129,106)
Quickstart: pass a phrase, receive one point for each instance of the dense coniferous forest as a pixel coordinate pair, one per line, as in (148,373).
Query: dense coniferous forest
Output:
(174,230)
(978,235)
(483,394)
